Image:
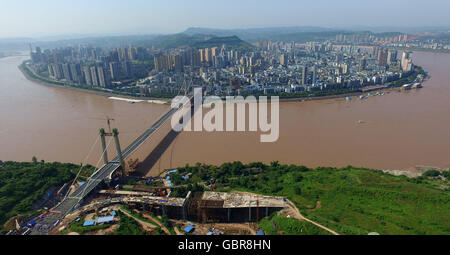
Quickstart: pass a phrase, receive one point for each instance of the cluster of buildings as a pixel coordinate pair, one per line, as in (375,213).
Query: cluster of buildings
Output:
(271,67)
(89,66)
(177,61)
(429,44)
(371,38)
(277,67)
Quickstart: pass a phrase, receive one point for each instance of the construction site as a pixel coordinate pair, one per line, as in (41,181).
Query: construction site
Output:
(202,207)
(198,213)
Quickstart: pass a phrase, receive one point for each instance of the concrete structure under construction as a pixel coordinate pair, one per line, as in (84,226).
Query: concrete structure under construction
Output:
(203,207)
(236,207)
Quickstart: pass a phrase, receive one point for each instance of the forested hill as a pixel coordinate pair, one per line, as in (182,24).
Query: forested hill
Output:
(23,183)
(196,41)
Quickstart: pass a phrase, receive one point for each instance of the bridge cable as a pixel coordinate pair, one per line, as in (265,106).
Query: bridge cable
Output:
(81,167)
(89,180)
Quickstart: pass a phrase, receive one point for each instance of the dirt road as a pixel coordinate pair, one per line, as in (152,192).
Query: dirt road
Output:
(157,222)
(296,213)
(147,226)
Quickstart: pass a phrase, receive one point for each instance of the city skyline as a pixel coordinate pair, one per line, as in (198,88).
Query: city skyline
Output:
(50,18)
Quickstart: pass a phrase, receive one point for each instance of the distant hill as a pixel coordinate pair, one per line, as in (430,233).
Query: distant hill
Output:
(296,34)
(256,34)
(253,33)
(15,44)
(105,41)
(197,41)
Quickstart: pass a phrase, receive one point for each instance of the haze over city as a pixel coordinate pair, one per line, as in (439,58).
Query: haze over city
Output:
(28,18)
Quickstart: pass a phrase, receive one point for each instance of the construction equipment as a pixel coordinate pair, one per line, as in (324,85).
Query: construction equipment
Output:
(108,121)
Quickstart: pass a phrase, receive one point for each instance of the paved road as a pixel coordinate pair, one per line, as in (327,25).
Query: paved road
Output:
(45,224)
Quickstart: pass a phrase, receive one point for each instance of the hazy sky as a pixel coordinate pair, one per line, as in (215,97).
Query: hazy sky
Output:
(62,17)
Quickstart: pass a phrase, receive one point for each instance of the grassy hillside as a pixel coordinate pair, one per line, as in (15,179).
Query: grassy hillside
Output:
(348,200)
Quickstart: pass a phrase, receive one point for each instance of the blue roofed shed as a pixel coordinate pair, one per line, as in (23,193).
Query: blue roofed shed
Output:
(189,229)
(89,223)
(105,219)
(260,233)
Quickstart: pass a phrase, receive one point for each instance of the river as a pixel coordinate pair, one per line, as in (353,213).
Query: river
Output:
(399,130)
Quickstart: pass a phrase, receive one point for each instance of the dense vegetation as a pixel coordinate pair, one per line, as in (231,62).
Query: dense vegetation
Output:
(348,200)
(23,183)
(183,190)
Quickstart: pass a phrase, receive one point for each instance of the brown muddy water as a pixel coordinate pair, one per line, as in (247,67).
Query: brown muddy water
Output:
(396,131)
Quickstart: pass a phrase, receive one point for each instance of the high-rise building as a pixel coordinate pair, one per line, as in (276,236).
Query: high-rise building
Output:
(51,73)
(126,69)
(391,57)
(314,77)
(87,75)
(196,58)
(94,76)
(131,52)
(66,72)
(207,52)
(214,52)
(304,75)
(123,55)
(114,69)
(178,63)
(382,57)
(344,68)
(103,77)
(57,71)
(405,60)
(362,64)
(202,55)
(283,60)
(75,71)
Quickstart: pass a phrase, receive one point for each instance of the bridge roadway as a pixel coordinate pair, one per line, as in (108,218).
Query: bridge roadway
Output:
(45,224)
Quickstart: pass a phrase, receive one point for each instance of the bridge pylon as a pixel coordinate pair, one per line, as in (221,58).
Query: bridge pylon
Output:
(105,152)
(119,151)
